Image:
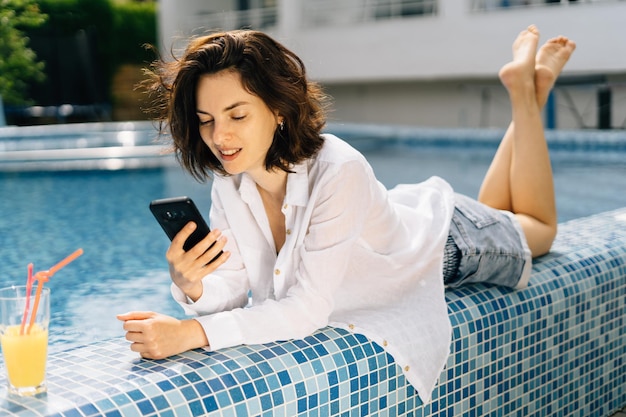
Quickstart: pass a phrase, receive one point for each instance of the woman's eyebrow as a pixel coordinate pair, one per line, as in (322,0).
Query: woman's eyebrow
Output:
(237,104)
(232,106)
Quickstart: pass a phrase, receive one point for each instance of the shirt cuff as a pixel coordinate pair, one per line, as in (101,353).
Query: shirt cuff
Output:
(181,298)
(203,305)
(221,330)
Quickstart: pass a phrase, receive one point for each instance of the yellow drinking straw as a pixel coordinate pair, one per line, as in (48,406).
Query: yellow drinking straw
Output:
(44,276)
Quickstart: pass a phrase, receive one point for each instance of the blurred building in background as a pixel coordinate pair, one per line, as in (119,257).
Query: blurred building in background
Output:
(429,62)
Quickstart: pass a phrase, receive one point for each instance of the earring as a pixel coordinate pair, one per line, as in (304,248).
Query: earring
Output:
(281,125)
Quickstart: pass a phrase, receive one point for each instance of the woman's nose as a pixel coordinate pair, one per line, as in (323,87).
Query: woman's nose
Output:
(221,133)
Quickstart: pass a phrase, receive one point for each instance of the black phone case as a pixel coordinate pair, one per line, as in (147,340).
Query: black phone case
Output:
(174,213)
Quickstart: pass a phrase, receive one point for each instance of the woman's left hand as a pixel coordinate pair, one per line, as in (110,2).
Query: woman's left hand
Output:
(187,268)
(157,336)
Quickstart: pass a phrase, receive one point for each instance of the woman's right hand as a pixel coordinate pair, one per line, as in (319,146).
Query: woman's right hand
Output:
(188,268)
(157,336)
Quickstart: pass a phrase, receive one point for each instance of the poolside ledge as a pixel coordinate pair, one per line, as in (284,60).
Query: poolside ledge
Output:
(555,348)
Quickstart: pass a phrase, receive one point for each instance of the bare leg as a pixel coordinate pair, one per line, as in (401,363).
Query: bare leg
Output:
(552,56)
(520,177)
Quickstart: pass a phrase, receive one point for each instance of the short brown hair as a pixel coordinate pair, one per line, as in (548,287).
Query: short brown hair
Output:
(267,69)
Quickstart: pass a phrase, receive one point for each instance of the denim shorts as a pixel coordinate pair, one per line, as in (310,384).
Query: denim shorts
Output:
(491,245)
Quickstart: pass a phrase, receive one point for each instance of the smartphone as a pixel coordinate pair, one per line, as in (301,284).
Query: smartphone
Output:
(174,213)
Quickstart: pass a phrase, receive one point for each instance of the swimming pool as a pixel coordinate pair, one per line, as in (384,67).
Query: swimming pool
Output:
(45,215)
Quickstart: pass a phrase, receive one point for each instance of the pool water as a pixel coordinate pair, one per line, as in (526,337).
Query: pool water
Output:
(49,215)
(44,216)
(585,183)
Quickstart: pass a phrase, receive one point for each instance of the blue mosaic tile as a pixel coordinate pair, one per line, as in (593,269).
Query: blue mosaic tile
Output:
(555,348)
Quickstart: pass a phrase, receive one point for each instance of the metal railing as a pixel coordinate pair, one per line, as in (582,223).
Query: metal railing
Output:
(314,13)
(487,5)
(317,13)
(260,18)
(320,13)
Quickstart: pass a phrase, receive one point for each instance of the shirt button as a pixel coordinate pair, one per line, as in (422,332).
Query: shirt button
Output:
(288,231)
(285,206)
(385,343)
(351,326)
(406,368)
(277,272)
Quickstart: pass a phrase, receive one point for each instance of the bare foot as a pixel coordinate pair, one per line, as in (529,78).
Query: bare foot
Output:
(550,60)
(521,71)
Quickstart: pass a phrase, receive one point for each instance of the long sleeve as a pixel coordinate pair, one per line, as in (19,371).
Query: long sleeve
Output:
(356,256)
(315,259)
(221,291)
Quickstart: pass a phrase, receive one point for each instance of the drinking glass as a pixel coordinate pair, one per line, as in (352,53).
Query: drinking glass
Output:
(24,338)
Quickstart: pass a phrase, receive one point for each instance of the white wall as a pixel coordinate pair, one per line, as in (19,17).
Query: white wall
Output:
(459,44)
(174,17)
(435,70)
(467,104)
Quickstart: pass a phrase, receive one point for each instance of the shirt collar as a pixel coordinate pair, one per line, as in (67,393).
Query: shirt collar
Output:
(247,188)
(297,186)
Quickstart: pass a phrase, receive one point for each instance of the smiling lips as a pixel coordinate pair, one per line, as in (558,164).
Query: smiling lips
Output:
(229,154)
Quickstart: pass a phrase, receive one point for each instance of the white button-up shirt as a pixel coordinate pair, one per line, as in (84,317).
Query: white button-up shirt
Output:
(356,256)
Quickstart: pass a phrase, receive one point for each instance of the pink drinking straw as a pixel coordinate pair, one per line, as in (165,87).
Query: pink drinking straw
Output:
(44,276)
(29,286)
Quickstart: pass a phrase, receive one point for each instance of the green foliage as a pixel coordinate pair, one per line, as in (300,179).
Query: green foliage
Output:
(120,29)
(67,17)
(18,63)
(134,26)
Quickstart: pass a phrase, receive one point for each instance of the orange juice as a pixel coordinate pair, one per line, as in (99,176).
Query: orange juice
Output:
(25,355)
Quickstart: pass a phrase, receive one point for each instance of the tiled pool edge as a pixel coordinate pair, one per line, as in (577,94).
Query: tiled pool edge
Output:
(556,348)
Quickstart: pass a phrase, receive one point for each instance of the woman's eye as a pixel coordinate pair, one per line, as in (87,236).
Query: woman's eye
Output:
(205,122)
(239,117)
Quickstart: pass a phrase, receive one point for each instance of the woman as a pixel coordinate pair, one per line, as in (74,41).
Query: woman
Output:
(310,237)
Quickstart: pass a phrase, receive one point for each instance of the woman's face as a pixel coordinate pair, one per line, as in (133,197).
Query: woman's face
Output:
(237,126)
